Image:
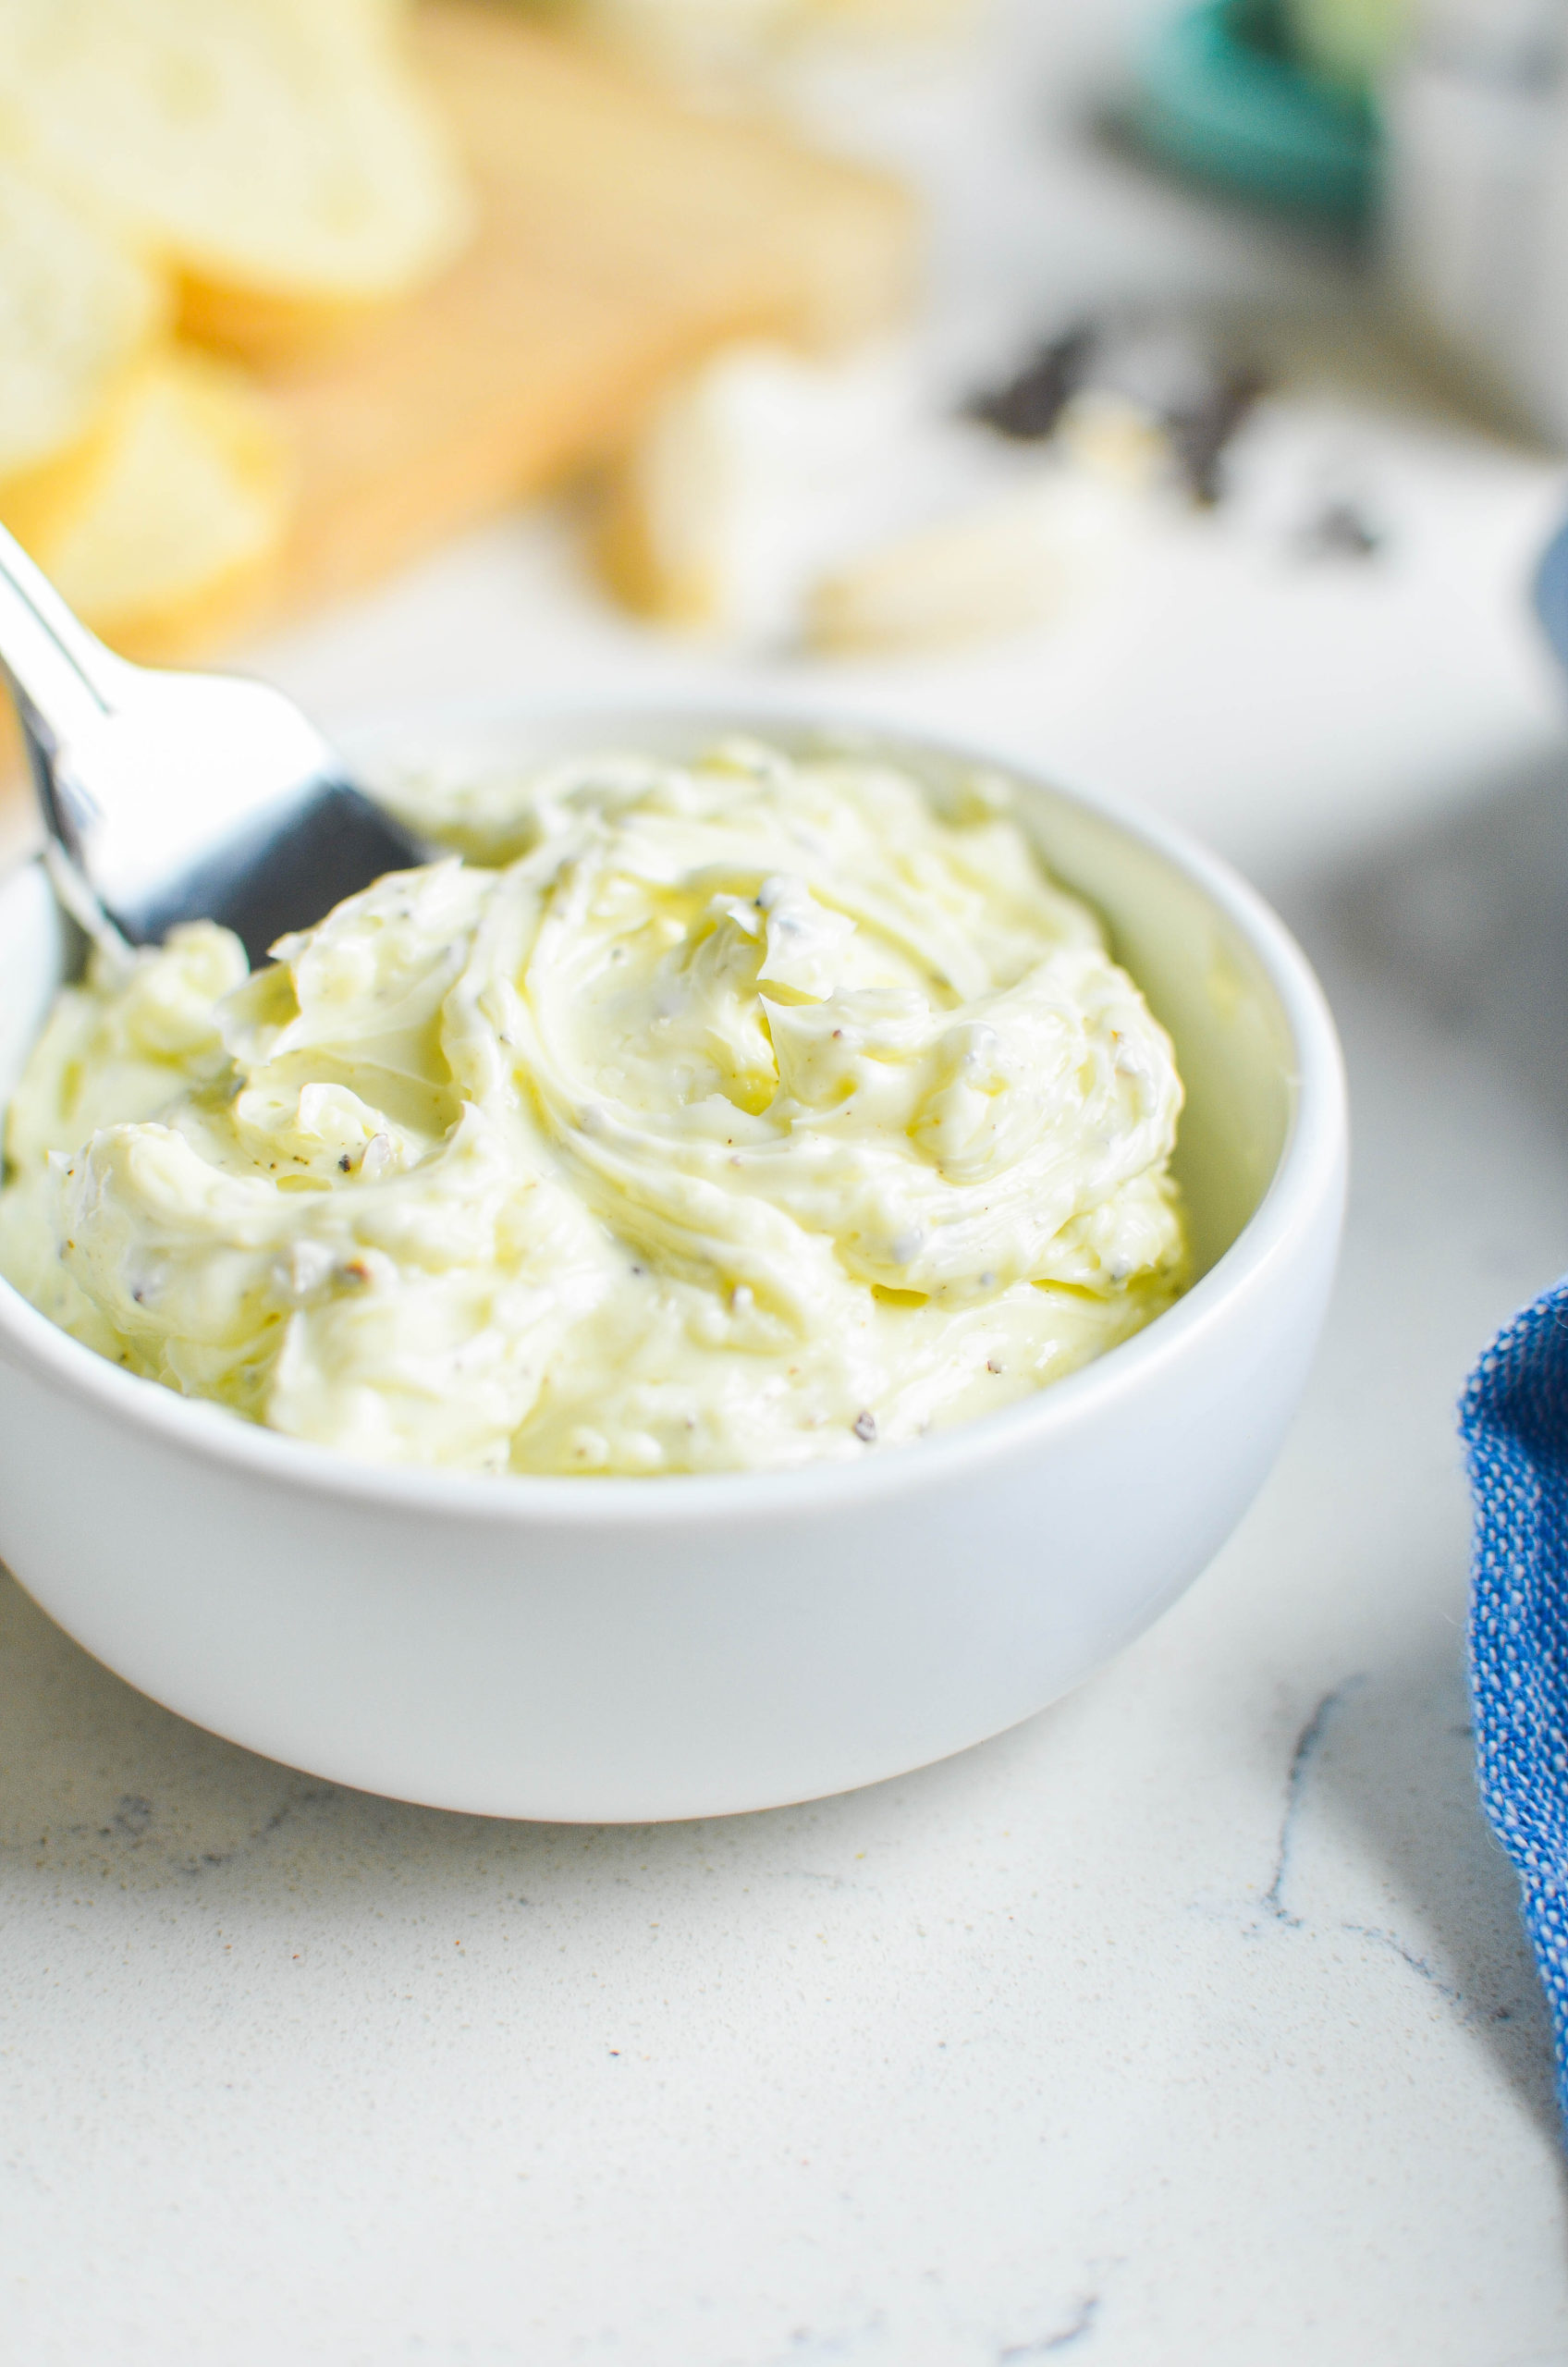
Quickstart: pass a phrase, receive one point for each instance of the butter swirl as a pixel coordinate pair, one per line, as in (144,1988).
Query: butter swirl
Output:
(718,1116)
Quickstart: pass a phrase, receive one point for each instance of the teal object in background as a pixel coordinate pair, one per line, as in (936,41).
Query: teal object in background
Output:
(1221,97)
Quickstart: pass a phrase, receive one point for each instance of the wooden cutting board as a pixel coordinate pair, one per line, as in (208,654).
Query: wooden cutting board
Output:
(622,237)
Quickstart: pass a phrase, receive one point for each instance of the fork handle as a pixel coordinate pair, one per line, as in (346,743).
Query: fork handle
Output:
(60,674)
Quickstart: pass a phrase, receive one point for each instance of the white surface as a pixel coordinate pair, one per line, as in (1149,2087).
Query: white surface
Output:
(1139,2036)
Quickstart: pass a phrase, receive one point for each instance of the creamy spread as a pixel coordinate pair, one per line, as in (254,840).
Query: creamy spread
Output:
(695,1118)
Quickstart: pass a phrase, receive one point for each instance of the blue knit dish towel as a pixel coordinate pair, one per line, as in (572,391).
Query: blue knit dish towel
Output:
(1514,1421)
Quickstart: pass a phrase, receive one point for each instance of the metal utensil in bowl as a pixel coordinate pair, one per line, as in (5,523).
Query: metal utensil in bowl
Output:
(172,797)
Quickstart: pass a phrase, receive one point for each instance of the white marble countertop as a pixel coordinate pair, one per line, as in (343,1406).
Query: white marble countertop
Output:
(1190,2021)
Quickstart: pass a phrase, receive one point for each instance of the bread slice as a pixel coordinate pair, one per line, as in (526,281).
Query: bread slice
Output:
(277,151)
(75,311)
(705,522)
(164,527)
(668,508)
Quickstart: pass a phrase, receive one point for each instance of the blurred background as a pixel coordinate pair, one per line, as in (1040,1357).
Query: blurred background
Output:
(1172,393)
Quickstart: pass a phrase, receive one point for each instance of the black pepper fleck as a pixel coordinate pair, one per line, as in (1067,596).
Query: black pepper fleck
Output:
(1341,530)
(1028,407)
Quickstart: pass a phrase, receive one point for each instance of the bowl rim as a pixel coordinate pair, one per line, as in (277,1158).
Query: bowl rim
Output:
(1310,1169)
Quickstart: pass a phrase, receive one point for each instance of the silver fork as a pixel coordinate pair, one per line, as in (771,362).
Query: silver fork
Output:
(172,797)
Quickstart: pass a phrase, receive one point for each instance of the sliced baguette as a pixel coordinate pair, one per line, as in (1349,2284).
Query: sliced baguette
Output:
(277,151)
(75,311)
(164,528)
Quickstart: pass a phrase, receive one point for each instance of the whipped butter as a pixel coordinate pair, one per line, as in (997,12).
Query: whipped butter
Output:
(710,1117)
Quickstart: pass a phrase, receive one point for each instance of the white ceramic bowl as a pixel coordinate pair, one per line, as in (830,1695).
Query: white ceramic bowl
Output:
(602,1650)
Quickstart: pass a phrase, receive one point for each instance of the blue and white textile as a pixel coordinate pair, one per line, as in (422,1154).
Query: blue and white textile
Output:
(1514,1419)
